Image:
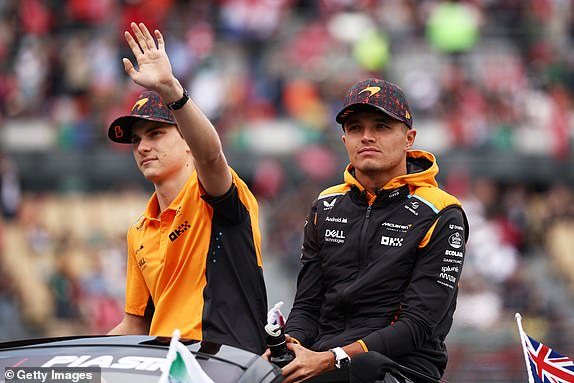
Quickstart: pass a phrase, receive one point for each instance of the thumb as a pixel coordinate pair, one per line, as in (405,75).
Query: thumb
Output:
(266,354)
(128,66)
(294,347)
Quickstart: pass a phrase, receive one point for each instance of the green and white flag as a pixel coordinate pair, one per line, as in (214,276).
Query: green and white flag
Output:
(181,366)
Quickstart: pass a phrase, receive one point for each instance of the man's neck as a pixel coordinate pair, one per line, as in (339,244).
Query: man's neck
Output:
(168,190)
(375,182)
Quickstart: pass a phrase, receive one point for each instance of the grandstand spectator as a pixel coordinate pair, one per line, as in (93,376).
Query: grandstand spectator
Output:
(10,188)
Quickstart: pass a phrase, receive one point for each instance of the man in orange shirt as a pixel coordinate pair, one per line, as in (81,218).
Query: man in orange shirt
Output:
(194,256)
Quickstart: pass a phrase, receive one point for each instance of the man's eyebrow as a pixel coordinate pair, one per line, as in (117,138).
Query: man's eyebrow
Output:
(148,128)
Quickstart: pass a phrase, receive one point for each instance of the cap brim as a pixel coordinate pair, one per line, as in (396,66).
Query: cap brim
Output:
(361,107)
(120,130)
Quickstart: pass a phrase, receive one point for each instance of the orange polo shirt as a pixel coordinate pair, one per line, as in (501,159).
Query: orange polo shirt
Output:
(198,265)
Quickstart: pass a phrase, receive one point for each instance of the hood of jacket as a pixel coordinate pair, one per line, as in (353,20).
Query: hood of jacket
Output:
(421,171)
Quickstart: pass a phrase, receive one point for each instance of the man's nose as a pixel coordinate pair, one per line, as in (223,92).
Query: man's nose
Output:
(143,146)
(368,135)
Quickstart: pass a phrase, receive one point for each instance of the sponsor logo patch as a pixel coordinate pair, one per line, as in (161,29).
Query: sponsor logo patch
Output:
(371,89)
(329,205)
(396,227)
(455,240)
(394,193)
(448,269)
(140,103)
(336,219)
(336,236)
(140,223)
(179,231)
(450,260)
(453,253)
(447,277)
(412,207)
(445,284)
(391,241)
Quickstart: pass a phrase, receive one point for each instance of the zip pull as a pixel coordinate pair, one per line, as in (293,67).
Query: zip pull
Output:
(369,208)
(362,242)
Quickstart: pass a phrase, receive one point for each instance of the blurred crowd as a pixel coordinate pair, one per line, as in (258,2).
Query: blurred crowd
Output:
(482,77)
(486,74)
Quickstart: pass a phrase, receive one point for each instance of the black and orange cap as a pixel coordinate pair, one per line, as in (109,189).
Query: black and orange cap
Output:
(149,106)
(379,94)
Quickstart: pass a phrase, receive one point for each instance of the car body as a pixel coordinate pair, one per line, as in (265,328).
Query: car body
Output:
(138,358)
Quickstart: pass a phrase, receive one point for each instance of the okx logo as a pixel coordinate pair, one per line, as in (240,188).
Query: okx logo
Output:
(391,241)
(179,231)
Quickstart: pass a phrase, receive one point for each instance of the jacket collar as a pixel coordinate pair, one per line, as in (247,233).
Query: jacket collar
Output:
(421,171)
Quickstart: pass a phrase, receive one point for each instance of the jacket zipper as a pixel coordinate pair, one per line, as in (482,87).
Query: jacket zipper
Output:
(362,241)
(362,259)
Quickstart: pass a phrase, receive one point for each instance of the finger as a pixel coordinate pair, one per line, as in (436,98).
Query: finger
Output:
(293,347)
(160,40)
(136,49)
(140,37)
(289,369)
(128,67)
(291,375)
(150,42)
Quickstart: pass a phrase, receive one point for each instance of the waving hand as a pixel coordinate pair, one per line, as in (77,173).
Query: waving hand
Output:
(154,67)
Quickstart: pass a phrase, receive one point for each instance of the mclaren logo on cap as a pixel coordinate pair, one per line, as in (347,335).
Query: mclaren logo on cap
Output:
(140,103)
(372,90)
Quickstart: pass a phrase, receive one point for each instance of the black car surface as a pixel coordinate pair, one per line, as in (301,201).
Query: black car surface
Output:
(137,358)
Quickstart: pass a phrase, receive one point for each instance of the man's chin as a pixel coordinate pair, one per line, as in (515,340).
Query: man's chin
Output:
(369,169)
(151,176)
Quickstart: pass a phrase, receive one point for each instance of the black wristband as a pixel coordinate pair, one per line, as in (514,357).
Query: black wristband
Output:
(179,103)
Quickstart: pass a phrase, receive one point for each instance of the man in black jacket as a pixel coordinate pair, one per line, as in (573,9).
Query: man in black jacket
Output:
(383,251)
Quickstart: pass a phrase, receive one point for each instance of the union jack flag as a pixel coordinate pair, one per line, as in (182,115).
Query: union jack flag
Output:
(544,364)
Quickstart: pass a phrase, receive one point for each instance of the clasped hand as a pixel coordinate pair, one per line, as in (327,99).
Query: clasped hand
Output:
(306,364)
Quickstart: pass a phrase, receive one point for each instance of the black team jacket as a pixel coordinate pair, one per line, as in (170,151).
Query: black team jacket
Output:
(383,272)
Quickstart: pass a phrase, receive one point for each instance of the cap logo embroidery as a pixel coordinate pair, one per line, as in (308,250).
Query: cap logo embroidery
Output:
(372,90)
(140,103)
(118,131)
(407,115)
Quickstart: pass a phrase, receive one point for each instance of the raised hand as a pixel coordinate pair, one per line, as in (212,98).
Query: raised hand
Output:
(154,68)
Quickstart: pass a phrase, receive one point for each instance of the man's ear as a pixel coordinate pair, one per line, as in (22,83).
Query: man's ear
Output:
(411,135)
(344,138)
